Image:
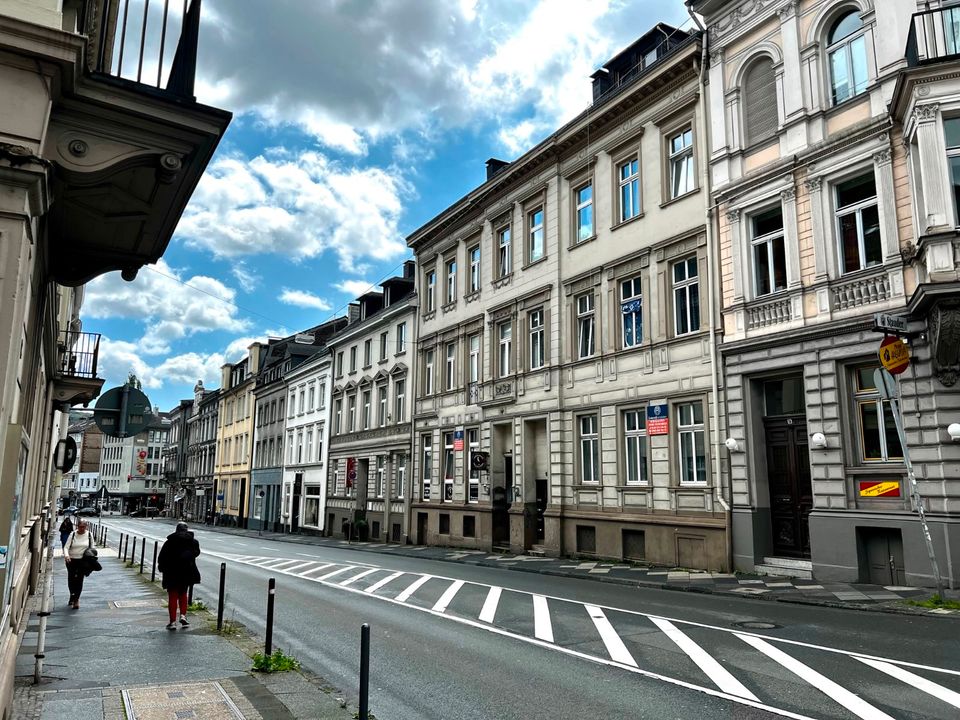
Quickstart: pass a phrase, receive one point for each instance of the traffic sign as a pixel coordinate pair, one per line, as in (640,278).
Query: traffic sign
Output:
(122,412)
(65,455)
(896,324)
(894,354)
(885,384)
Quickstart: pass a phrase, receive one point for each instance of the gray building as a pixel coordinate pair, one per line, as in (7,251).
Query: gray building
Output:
(201,454)
(175,457)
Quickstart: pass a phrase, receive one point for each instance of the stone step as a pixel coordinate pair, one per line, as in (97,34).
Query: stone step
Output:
(788,562)
(780,571)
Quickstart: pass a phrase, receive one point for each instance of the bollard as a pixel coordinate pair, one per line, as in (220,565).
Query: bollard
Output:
(153,572)
(364,671)
(126,546)
(271,594)
(120,546)
(223,582)
(190,595)
(143,550)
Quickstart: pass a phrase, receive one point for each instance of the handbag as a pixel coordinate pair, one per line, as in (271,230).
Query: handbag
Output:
(91,552)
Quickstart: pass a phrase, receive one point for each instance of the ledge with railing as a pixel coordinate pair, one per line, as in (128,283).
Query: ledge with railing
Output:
(79,353)
(772,312)
(859,291)
(934,36)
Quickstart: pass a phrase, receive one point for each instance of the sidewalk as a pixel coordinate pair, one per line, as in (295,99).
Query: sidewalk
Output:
(856,596)
(114,659)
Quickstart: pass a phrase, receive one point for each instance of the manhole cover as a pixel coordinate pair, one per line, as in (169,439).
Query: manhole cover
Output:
(756,625)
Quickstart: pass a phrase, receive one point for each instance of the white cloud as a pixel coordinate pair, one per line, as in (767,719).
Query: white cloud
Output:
(248,279)
(303,299)
(355,288)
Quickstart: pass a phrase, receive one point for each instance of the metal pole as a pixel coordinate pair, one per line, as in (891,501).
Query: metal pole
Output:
(143,551)
(271,594)
(190,595)
(126,546)
(364,671)
(223,582)
(44,613)
(153,572)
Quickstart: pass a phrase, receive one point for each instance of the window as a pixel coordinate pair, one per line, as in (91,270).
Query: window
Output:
(309,456)
(448,467)
(535,320)
(760,102)
(473,477)
(366,409)
(504,264)
(401,338)
(382,405)
(431,291)
(451,367)
(879,440)
(299,446)
(589,449)
(381,470)
(401,464)
(338,414)
(693,461)
(351,413)
(951,29)
(400,399)
(681,163)
(629,176)
(584,199)
(321,395)
(428,374)
(320,443)
(951,127)
(474,342)
(505,331)
(383,346)
(311,397)
(339,372)
(474,254)
(586,342)
(353,359)
(769,257)
(367,353)
(847,57)
(631,310)
(686,296)
(535,246)
(451,281)
(858,224)
(426,443)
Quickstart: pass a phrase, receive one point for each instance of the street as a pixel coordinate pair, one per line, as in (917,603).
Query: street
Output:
(460,641)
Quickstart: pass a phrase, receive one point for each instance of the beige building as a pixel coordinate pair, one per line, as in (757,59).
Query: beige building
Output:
(566,328)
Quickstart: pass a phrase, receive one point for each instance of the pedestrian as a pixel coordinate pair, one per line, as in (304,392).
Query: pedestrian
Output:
(178,563)
(81,559)
(66,527)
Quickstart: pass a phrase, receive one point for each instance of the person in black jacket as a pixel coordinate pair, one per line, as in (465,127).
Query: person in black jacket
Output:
(178,563)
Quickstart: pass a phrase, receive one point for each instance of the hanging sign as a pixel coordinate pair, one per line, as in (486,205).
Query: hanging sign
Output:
(658,422)
(894,354)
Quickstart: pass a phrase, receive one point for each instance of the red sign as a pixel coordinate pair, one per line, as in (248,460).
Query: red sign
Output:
(458,440)
(879,488)
(658,420)
(351,471)
(894,355)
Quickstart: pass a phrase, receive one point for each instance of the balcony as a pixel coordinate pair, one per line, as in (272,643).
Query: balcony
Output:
(76,378)
(934,37)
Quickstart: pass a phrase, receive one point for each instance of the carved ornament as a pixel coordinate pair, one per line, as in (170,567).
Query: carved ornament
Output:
(927,112)
(882,157)
(733,216)
(788,11)
(944,326)
(813,184)
(788,194)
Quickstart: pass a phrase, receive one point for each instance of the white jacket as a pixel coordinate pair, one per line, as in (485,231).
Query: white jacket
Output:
(76,544)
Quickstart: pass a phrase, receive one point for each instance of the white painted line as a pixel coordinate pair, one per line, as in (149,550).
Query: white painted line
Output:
(308,555)
(261,562)
(489,611)
(278,566)
(318,568)
(356,577)
(615,647)
(447,597)
(335,572)
(706,662)
(542,627)
(860,708)
(380,583)
(931,688)
(298,567)
(414,586)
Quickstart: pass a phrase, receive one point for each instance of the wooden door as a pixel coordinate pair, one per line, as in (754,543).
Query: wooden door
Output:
(791,495)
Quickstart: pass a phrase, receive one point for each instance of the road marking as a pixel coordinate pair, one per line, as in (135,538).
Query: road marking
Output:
(860,708)
(706,662)
(281,564)
(447,597)
(615,647)
(931,688)
(414,586)
(298,567)
(324,566)
(490,605)
(380,583)
(542,627)
(308,555)
(356,577)
(335,572)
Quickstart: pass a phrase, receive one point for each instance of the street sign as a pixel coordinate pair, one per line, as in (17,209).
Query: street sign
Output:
(894,354)
(885,383)
(65,455)
(879,488)
(122,412)
(896,324)
(480,460)
(658,421)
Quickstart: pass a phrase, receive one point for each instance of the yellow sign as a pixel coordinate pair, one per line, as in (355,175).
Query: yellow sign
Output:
(894,355)
(879,489)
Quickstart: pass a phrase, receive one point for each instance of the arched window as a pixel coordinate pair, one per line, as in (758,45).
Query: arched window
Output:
(847,55)
(760,102)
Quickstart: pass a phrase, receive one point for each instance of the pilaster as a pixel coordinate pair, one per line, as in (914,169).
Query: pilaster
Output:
(887,206)
(932,150)
(788,199)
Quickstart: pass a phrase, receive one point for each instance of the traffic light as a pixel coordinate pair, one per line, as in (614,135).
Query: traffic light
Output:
(479,460)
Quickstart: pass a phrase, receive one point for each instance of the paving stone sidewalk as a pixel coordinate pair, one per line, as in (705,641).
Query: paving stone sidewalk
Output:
(113,659)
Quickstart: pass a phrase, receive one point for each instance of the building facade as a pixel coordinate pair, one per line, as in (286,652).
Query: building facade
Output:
(175,458)
(131,468)
(567,329)
(80,485)
(201,454)
(374,374)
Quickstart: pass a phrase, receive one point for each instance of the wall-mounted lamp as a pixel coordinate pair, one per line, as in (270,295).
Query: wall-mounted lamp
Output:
(732,444)
(818,441)
(953,430)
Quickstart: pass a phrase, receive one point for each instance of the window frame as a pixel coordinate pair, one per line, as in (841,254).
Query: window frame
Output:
(382,395)
(426,469)
(675,157)
(536,336)
(592,439)
(401,338)
(473,476)
(399,399)
(428,368)
(504,251)
(845,44)
(692,429)
(384,343)
(586,318)
(685,284)
(636,281)
(431,283)
(632,180)
(473,368)
(861,397)
(581,209)
(449,468)
(450,266)
(473,254)
(768,240)
(505,348)
(536,231)
(450,367)
(857,210)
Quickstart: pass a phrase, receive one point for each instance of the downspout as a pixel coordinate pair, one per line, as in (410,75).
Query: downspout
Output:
(722,494)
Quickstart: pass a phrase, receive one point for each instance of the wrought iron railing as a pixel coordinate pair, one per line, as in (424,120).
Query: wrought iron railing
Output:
(934,36)
(138,40)
(79,352)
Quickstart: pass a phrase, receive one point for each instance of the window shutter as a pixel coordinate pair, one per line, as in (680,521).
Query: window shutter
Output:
(760,102)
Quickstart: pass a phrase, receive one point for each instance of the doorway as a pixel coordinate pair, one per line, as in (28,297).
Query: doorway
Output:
(541,506)
(501,501)
(422,520)
(881,556)
(791,494)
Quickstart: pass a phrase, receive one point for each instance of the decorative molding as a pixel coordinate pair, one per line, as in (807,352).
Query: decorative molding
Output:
(926,113)
(788,11)
(475,295)
(788,194)
(944,324)
(813,184)
(883,157)
(733,216)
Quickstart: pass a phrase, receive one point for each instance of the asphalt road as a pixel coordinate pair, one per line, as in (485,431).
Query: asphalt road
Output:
(459,641)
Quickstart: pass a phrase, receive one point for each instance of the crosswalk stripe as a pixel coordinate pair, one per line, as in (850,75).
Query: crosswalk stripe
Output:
(921,683)
(542,627)
(283,564)
(414,586)
(351,580)
(860,708)
(489,610)
(275,564)
(447,597)
(380,583)
(706,662)
(297,567)
(615,648)
(336,572)
(318,568)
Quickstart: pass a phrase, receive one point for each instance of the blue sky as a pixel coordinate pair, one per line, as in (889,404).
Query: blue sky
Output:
(355,122)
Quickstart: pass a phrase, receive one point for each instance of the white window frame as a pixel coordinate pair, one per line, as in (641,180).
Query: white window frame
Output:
(383,345)
(351,413)
(431,290)
(451,267)
(683,286)
(401,475)
(536,236)
(857,210)
(631,310)
(682,164)
(691,430)
(382,405)
(588,436)
(845,45)
(583,229)
(586,325)
(426,473)
(367,352)
(401,337)
(535,323)
(400,400)
(474,254)
(768,241)
(428,373)
(473,476)
(338,416)
(883,410)
(505,354)
(450,367)
(381,474)
(474,345)
(629,182)
(353,364)
(504,255)
(365,396)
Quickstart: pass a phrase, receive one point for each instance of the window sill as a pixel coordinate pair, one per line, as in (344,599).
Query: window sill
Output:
(534,262)
(366,367)
(678,198)
(382,361)
(581,243)
(429,315)
(502,281)
(448,307)
(620,224)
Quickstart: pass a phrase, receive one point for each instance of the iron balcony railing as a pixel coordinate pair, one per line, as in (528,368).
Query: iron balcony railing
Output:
(138,40)
(79,354)
(934,36)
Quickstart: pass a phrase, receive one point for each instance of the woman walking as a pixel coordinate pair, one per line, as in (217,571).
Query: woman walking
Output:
(77,565)
(66,527)
(178,563)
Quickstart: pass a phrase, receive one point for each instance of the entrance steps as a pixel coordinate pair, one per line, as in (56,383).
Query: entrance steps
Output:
(537,551)
(786,567)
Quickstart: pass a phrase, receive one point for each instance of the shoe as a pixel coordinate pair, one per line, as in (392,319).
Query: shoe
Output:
(184,622)
(76,604)
(171,626)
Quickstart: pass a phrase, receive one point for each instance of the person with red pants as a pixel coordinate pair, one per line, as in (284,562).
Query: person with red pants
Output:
(178,563)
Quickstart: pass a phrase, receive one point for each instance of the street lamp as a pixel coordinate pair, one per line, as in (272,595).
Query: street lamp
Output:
(953,430)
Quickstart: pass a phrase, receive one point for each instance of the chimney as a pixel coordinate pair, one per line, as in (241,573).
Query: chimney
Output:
(353,312)
(494,166)
(410,267)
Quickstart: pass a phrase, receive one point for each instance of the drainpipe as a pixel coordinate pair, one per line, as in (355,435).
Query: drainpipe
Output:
(713,287)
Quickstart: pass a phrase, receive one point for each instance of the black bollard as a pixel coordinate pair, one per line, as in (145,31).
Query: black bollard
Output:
(153,572)
(190,595)
(364,671)
(271,594)
(223,582)
(126,546)
(143,551)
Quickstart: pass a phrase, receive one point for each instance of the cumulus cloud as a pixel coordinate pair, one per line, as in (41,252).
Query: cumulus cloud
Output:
(248,279)
(304,299)
(355,288)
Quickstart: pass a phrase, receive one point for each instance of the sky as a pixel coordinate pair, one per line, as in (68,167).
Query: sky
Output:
(355,122)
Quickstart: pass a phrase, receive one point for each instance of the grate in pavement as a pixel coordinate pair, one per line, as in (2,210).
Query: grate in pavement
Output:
(190,701)
(757,625)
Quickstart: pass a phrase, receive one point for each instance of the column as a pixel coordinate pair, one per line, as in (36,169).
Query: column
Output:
(932,151)
(822,254)
(788,199)
(790,36)
(736,252)
(887,205)
(718,141)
